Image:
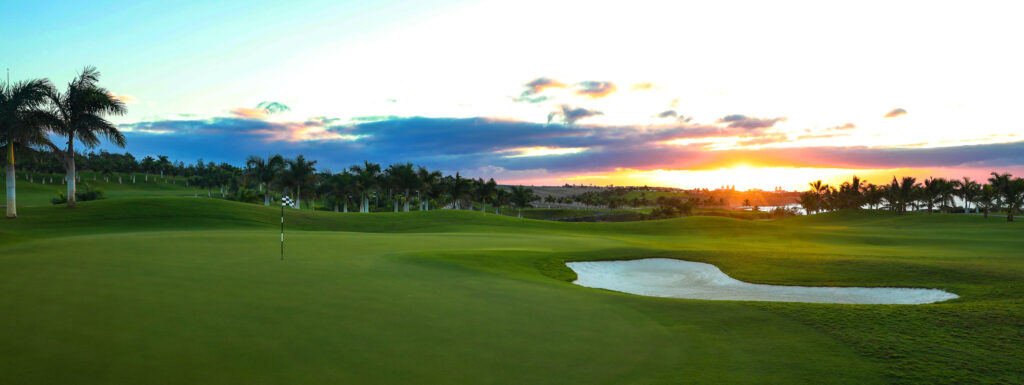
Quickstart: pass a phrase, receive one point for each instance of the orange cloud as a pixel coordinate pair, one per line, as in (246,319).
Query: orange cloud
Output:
(642,86)
(595,89)
(125,98)
(249,113)
(896,112)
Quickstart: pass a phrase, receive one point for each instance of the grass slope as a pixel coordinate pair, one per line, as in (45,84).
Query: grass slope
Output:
(39,194)
(172,290)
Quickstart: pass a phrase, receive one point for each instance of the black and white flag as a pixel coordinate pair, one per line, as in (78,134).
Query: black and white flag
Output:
(286,201)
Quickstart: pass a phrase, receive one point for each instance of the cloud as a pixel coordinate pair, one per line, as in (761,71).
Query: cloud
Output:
(535,87)
(273,107)
(128,99)
(540,84)
(749,123)
(570,115)
(668,114)
(642,86)
(249,113)
(847,126)
(373,118)
(595,89)
(896,112)
(465,144)
(262,110)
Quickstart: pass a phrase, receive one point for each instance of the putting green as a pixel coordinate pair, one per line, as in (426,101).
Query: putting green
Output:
(183,290)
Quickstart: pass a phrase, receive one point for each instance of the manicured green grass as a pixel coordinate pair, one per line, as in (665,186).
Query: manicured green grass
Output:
(191,290)
(39,194)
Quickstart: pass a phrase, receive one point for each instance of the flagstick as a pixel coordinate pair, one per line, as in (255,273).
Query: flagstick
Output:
(282,229)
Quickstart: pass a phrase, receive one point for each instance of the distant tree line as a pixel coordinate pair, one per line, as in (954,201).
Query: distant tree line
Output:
(1002,192)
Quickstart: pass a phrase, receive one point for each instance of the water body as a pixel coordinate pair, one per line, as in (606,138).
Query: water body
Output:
(662,277)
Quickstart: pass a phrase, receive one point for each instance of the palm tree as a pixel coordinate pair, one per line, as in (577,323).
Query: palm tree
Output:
(265,171)
(340,188)
(967,190)
(460,188)
(1011,192)
(299,173)
(522,197)
(809,201)
(501,198)
(485,191)
(428,184)
(987,198)
(19,113)
(367,181)
(77,114)
(932,192)
(903,192)
(404,178)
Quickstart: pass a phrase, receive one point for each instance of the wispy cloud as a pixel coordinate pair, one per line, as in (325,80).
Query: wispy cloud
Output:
(571,115)
(263,110)
(128,99)
(895,112)
(749,123)
(642,86)
(595,89)
(535,87)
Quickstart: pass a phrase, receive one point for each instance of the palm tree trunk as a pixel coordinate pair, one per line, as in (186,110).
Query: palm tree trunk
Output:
(12,206)
(266,198)
(345,206)
(71,181)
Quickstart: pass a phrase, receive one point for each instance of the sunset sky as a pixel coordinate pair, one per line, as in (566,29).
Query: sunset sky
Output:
(684,94)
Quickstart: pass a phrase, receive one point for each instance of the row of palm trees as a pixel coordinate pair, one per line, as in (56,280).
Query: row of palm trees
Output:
(31,111)
(1002,192)
(368,186)
(41,163)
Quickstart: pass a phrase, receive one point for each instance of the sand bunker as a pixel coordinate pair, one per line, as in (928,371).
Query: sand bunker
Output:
(661,277)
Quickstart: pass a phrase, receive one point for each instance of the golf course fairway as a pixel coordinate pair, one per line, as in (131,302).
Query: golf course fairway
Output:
(172,290)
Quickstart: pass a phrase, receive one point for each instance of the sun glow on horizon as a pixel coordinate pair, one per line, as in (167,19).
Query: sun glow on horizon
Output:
(743,177)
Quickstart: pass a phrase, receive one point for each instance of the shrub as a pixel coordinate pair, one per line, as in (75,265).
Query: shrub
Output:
(80,196)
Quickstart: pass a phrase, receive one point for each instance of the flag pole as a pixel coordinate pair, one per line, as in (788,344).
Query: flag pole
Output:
(282,229)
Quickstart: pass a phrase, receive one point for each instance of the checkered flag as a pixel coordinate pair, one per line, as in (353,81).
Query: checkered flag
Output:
(286,201)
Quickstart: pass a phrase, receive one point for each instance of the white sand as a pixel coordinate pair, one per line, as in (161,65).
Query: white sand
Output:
(660,277)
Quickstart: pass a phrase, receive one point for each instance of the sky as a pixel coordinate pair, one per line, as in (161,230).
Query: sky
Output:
(682,94)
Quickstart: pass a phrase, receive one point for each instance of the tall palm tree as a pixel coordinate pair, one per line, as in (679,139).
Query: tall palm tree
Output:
(299,173)
(522,197)
(19,125)
(428,186)
(967,190)
(904,192)
(340,188)
(485,191)
(367,181)
(1011,192)
(265,171)
(77,114)
(458,189)
(404,178)
(501,198)
(987,198)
